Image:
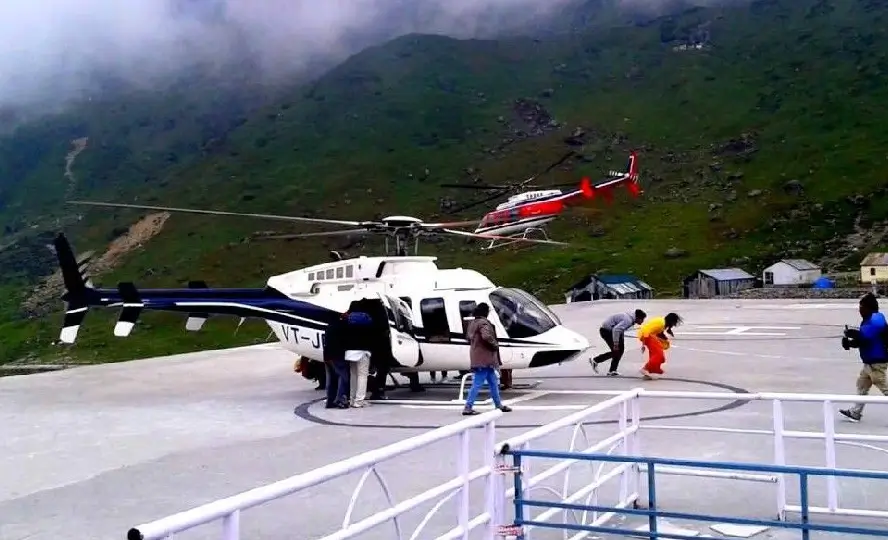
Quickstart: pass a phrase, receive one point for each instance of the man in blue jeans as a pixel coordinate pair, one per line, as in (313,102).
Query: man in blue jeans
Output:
(484,358)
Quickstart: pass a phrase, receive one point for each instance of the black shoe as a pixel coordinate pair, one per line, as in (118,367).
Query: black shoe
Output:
(851,415)
(470,412)
(505,408)
(613,374)
(378,397)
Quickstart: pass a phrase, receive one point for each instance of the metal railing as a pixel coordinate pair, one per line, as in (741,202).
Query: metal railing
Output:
(229,510)
(653,512)
(625,440)
(626,478)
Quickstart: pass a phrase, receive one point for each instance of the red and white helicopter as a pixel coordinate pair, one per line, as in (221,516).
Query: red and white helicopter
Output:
(529,212)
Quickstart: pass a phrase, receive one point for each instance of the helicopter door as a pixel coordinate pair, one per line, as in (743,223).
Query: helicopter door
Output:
(405,347)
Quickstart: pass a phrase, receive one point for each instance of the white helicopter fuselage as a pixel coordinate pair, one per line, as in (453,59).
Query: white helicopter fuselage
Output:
(427,310)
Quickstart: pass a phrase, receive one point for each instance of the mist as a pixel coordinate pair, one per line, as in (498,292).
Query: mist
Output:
(56,50)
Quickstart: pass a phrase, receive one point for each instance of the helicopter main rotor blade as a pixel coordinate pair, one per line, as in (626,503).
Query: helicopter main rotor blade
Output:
(476,186)
(450,224)
(476,203)
(219,213)
(496,237)
(309,235)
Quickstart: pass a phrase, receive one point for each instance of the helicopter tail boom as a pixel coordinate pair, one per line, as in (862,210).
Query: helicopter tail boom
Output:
(198,301)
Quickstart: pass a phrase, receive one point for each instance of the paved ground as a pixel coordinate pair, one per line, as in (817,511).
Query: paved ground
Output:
(90,452)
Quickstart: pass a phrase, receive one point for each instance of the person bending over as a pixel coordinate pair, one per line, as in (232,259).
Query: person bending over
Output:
(612,332)
(652,335)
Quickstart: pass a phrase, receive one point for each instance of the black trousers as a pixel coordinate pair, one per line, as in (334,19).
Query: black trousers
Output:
(613,356)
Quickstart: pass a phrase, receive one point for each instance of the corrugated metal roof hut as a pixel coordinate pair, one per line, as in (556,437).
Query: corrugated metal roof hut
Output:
(713,282)
(608,286)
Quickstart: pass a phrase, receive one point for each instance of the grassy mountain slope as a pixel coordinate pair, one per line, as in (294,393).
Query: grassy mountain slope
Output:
(765,142)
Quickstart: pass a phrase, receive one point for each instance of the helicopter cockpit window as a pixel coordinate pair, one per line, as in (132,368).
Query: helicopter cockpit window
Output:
(311,276)
(434,319)
(521,314)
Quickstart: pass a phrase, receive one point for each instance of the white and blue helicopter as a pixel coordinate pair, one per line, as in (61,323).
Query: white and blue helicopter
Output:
(423,308)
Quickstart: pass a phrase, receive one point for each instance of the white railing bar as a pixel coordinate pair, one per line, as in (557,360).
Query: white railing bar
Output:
(569,420)
(563,465)
(839,437)
(456,532)
(428,516)
(687,471)
(579,494)
(405,506)
(217,510)
(762,396)
(712,429)
(839,511)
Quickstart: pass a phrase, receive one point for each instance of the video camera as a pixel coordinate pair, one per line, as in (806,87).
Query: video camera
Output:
(850,338)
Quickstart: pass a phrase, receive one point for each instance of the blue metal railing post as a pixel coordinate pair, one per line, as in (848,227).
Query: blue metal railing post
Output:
(519,495)
(803,504)
(652,501)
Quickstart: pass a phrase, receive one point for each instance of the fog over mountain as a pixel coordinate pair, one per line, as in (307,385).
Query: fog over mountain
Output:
(61,49)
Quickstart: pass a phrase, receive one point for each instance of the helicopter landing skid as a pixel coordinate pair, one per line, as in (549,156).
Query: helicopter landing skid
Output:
(517,238)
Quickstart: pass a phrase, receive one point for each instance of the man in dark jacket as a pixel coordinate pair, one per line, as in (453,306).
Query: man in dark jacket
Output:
(484,359)
(337,367)
(613,331)
(870,341)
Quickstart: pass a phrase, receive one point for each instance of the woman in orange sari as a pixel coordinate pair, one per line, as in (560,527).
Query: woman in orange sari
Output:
(652,335)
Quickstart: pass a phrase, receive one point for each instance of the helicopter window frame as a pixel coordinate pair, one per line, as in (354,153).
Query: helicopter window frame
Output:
(402,317)
(340,272)
(434,319)
(329,273)
(311,276)
(466,308)
(350,271)
(530,319)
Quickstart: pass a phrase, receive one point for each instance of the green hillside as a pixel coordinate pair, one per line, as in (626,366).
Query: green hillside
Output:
(764,142)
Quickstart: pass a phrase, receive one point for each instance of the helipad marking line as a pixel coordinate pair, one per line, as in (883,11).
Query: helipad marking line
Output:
(734,330)
(422,402)
(487,407)
(768,356)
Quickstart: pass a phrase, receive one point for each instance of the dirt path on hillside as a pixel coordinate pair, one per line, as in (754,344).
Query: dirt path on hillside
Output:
(42,300)
(79,146)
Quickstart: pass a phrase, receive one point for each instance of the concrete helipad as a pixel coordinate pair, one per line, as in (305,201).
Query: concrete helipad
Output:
(90,452)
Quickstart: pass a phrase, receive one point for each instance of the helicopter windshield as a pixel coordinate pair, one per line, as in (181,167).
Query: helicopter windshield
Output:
(522,315)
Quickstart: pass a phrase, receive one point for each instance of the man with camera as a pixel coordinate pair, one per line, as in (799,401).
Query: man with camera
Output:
(871,341)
